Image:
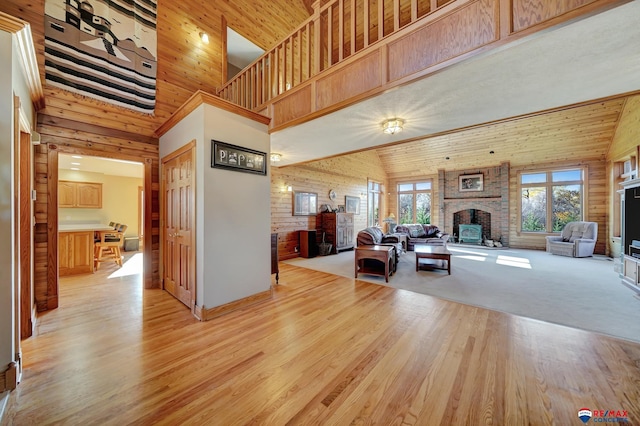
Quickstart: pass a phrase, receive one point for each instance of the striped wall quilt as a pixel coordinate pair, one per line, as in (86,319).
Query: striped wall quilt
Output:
(103,49)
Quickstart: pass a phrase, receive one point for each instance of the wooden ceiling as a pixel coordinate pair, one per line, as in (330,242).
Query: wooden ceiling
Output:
(185,64)
(574,134)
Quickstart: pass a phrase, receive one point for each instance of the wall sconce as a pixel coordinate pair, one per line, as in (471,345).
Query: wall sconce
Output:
(275,157)
(204,37)
(392,126)
(286,187)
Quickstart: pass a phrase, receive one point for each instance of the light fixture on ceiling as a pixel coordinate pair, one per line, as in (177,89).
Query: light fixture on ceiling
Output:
(204,37)
(275,157)
(392,126)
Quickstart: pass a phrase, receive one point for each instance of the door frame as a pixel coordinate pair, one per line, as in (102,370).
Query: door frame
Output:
(185,148)
(53,276)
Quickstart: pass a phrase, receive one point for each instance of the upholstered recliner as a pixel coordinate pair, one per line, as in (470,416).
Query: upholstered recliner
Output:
(578,239)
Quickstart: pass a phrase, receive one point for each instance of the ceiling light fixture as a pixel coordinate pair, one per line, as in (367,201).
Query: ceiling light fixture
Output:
(392,126)
(204,37)
(275,157)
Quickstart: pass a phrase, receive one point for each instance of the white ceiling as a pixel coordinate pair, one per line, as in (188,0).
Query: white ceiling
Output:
(105,166)
(593,58)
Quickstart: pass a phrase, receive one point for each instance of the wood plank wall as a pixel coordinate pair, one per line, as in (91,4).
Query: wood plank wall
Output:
(347,175)
(185,64)
(627,136)
(624,146)
(73,137)
(597,204)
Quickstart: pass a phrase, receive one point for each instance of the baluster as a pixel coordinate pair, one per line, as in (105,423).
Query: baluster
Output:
(380,20)
(341,31)
(396,15)
(354,31)
(366,24)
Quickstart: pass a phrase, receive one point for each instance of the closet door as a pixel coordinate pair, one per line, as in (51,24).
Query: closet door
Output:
(179,217)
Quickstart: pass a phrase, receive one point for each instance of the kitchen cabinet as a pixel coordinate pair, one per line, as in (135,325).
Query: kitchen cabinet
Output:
(85,195)
(75,252)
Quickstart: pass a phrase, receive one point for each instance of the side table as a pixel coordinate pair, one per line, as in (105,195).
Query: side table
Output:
(402,238)
(384,254)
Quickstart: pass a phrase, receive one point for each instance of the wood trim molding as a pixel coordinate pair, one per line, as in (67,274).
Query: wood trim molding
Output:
(11,24)
(206,314)
(9,377)
(49,120)
(27,53)
(199,98)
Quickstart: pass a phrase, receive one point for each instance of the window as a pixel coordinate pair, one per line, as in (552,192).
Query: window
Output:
(374,198)
(414,202)
(551,199)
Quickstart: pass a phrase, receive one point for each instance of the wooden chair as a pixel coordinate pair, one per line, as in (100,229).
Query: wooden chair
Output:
(108,246)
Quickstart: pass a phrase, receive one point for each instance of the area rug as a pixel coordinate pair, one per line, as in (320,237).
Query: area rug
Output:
(583,293)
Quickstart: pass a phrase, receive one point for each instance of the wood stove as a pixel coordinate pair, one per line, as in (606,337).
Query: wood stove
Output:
(470,234)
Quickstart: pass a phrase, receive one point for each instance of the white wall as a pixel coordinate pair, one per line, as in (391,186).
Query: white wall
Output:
(7,324)
(233,219)
(119,200)
(237,214)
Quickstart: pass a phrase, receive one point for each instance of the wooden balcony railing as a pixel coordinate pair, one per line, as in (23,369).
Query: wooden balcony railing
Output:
(337,30)
(351,49)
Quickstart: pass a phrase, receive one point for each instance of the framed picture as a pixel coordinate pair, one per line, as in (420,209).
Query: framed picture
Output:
(340,208)
(305,203)
(470,183)
(233,157)
(352,204)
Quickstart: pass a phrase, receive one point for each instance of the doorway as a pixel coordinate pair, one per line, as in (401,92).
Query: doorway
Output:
(60,169)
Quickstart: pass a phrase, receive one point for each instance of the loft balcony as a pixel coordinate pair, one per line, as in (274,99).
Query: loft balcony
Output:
(350,50)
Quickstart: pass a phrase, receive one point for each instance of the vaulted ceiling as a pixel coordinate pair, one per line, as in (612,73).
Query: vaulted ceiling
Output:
(435,129)
(554,96)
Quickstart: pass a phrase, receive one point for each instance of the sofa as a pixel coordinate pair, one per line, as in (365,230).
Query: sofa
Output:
(422,234)
(374,236)
(577,239)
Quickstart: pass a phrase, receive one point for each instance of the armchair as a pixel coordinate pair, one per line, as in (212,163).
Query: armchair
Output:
(374,236)
(577,239)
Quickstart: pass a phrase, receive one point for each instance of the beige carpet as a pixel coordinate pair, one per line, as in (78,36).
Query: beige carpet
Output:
(581,293)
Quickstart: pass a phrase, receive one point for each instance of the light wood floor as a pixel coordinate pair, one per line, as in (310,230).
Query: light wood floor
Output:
(324,350)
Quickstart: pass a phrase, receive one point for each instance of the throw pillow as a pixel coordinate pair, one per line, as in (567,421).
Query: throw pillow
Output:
(416,231)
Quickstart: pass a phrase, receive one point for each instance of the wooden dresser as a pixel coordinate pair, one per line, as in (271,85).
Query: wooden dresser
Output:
(338,230)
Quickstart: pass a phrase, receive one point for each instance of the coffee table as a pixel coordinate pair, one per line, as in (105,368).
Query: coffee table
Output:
(384,254)
(424,251)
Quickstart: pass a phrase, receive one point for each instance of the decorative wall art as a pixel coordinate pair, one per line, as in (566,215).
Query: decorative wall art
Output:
(352,204)
(233,157)
(468,183)
(103,50)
